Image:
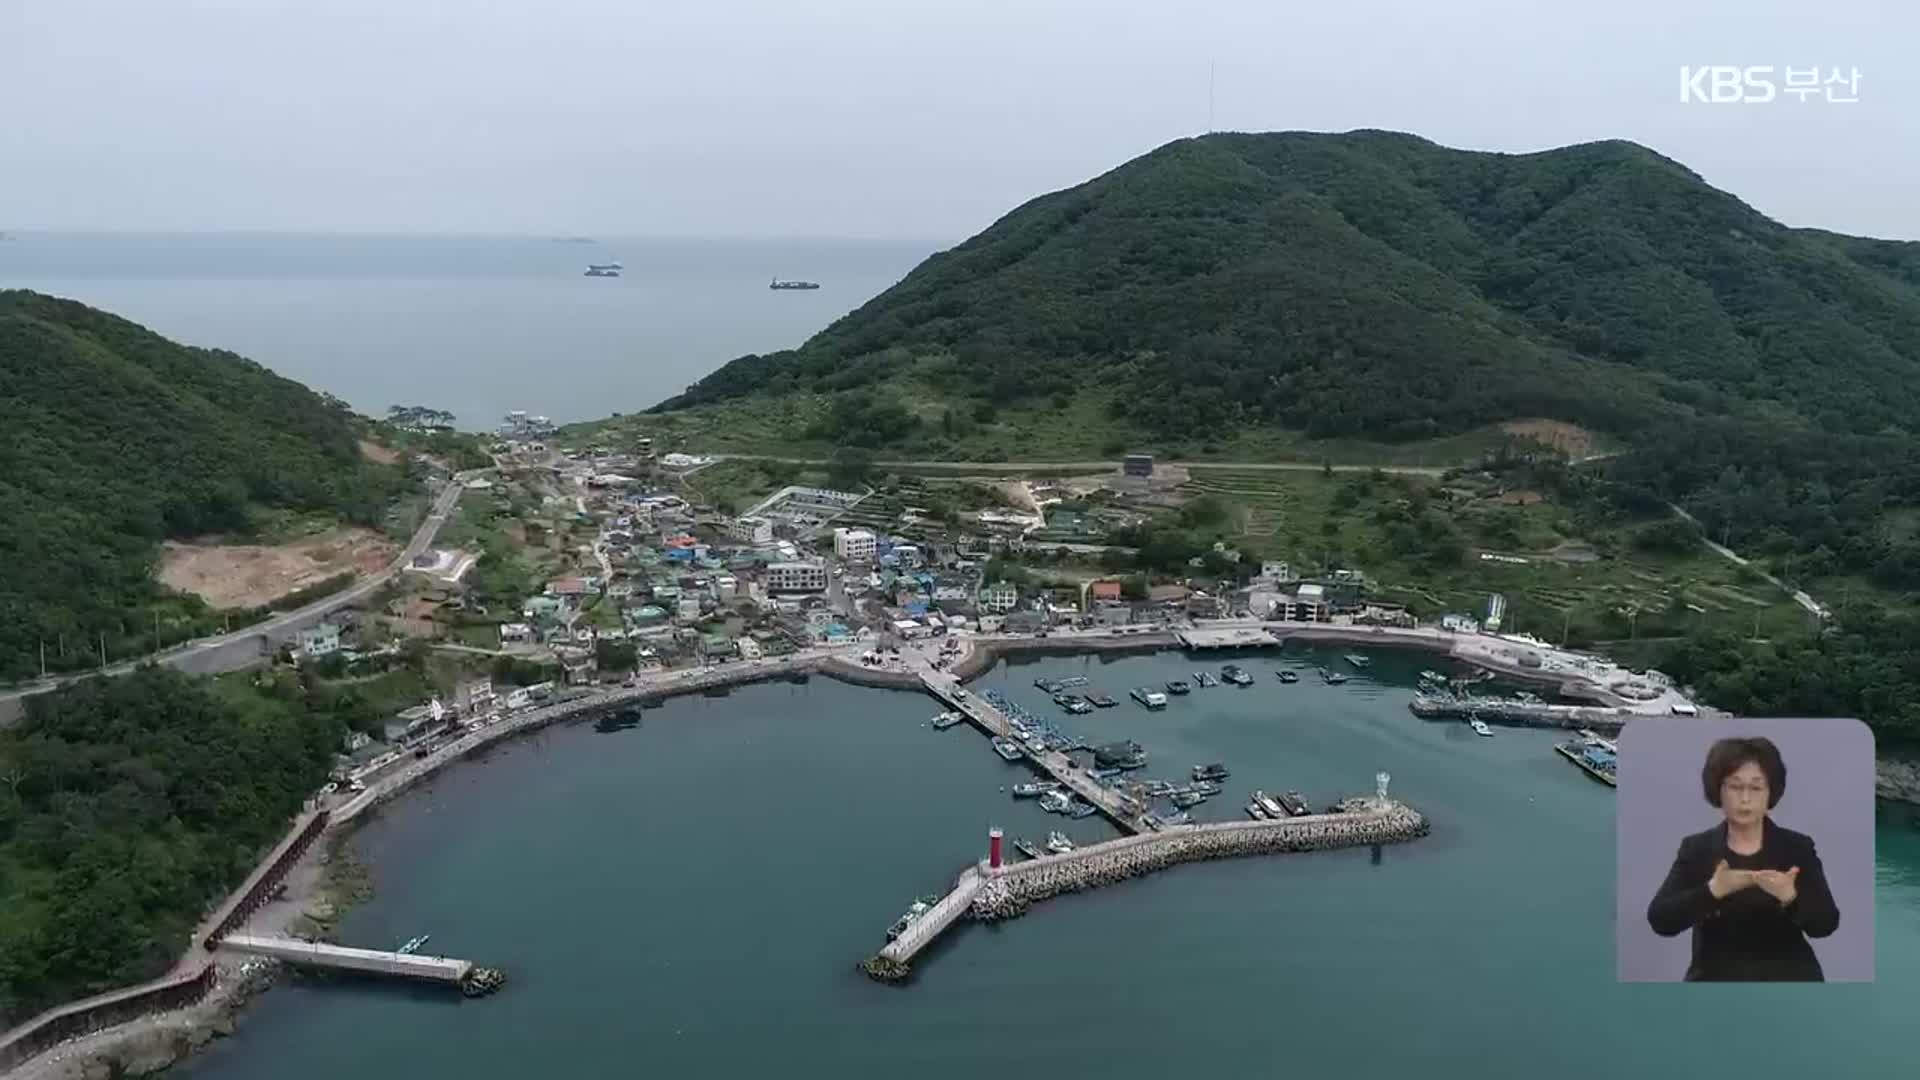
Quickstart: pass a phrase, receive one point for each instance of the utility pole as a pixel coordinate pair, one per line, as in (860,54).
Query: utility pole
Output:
(103,650)
(43,658)
(1210,97)
(1566,623)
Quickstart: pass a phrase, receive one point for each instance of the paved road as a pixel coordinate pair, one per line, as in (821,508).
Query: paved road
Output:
(422,539)
(1094,466)
(1812,606)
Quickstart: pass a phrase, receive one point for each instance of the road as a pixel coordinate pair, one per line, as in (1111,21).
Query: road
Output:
(1813,607)
(422,539)
(1099,466)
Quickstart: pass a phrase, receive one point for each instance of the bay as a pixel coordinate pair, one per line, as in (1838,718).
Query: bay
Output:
(474,325)
(694,894)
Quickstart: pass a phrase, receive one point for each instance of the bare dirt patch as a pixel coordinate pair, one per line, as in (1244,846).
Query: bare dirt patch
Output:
(230,576)
(373,451)
(1570,439)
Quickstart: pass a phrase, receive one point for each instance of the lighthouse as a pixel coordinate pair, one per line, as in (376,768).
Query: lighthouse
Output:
(993,847)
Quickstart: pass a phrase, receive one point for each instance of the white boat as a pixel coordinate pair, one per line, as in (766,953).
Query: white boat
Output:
(413,945)
(1058,843)
(1056,802)
(1269,804)
(1480,727)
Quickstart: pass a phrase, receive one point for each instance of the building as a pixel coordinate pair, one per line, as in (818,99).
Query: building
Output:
(1459,624)
(749,649)
(751,530)
(1000,596)
(514,633)
(475,697)
(317,641)
(355,740)
(1308,603)
(796,577)
(1496,611)
(1112,613)
(1137,465)
(1275,571)
(1103,590)
(853,545)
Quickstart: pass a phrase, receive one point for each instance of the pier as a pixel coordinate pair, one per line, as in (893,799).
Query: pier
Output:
(989,893)
(1514,713)
(1237,637)
(1118,807)
(463,974)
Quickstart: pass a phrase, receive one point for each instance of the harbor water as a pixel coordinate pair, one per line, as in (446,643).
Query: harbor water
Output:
(694,893)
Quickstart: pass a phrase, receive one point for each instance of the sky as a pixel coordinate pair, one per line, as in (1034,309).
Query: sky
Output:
(899,119)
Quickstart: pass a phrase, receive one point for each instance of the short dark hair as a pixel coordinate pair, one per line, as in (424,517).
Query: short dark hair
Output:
(1727,755)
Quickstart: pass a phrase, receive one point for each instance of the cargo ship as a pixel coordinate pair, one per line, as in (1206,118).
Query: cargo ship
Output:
(776,283)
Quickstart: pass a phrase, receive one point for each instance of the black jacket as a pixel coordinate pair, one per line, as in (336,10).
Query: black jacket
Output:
(1747,935)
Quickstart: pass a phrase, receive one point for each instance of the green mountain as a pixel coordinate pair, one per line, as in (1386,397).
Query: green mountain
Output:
(1367,284)
(116,439)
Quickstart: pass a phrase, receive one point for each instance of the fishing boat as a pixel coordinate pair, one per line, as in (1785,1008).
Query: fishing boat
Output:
(1289,675)
(920,907)
(413,945)
(1255,812)
(1201,678)
(1178,686)
(779,284)
(1188,798)
(1058,843)
(1232,673)
(1026,847)
(1071,681)
(1430,675)
(1079,706)
(1206,789)
(1033,789)
(948,719)
(1158,788)
(1332,677)
(1480,727)
(1177,817)
(1356,660)
(1007,748)
(1056,802)
(1101,701)
(1295,803)
(1152,699)
(1215,771)
(1082,809)
(1268,803)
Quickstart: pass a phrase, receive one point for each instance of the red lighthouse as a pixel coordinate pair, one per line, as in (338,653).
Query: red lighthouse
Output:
(993,847)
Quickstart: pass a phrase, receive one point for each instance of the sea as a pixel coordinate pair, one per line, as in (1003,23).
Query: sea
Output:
(691,896)
(477,326)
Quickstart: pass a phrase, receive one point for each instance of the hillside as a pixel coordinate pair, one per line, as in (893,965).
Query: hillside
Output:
(117,439)
(1367,284)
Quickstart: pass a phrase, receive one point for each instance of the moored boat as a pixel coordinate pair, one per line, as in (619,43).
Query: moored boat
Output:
(1178,686)
(1056,802)
(1215,771)
(1255,812)
(1234,674)
(1332,677)
(1033,789)
(1288,675)
(1295,803)
(1152,699)
(1058,843)
(948,719)
(1269,804)
(1027,847)
(1480,727)
(1007,748)
(1201,678)
(1356,660)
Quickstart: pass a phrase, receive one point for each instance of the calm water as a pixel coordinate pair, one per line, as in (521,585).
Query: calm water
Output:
(474,325)
(694,894)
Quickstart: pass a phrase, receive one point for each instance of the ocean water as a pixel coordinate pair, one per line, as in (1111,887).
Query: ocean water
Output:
(475,325)
(690,897)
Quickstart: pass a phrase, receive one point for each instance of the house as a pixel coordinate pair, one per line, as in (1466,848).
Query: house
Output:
(1168,594)
(853,545)
(1025,622)
(1104,590)
(909,629)
(717,647)
(1112,613)
(317,641)
(515,633)
(1137,465)
(1202,605)
(793,577)
(355,740)
(1378,614)
(1308,603)
(475,697)
(689,607)
(567,587)
(1000,596)
(948,591)
(1275,571)
(749,649)
(1459,624)
(751,530)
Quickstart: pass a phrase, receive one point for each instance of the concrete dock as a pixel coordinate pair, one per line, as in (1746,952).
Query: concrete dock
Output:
(440,969)
(1119,809)
(1239,637)
(989,893)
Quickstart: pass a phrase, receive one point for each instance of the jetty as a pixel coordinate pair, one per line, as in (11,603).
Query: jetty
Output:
(463,974)
(991,890)
(1237,637)
(1516,713)
(1119,808)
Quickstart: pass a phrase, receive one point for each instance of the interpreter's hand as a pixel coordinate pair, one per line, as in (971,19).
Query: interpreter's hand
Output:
(1782,885)
(1726,880)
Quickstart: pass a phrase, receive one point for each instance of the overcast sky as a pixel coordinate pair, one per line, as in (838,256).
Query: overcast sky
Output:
(876,118)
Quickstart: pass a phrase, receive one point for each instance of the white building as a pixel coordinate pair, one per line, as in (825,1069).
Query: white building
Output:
(318,641)
(1275,571)
(796,577)
(689,607)
(1459,624)
(514,632)
(1000,596)
(751,530)
(726,587)
(853,545)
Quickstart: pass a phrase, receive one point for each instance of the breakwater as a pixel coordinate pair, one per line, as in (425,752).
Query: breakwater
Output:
(1518,713)
(990,894)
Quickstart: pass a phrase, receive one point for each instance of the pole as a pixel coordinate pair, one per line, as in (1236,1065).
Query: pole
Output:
(1209,97)
(103,650)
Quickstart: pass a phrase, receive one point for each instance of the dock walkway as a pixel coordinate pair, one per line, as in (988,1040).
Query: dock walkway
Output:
(441,969)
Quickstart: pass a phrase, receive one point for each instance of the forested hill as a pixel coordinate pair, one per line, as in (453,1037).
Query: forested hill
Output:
(117,438)
(1377,285)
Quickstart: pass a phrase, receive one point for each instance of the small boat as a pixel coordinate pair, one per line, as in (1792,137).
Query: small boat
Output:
(1079,706)
(1034,789)
(1152,699)
(1159,788)
(919,908)
(1480,727)
(1432,676)
(1332,677)
(1178,817)
(1187,799)
(1007,748)
(1178,686)
(1289,675)
(1056,802)
(1255,812)
(1232,673)
(1215,771)
(1105,774)
(1201,678)
(1047,685)
(1206,789)
(413,945)
(779,284)
(1027,848)
(1296,804)
(1071,681)
(1356,660)
(603,270)
(1101,701)
(1058,843)
(1083,809)
(948,719)
(1268,803)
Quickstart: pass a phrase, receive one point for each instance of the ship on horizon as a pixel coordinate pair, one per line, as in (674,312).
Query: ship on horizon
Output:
(779,284)
(611,269)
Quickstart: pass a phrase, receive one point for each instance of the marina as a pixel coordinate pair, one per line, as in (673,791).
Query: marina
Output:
(1595,756)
